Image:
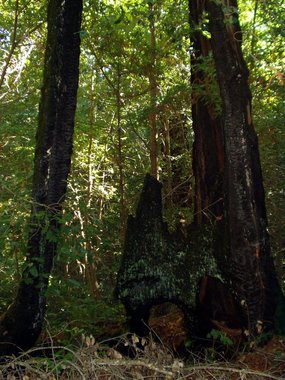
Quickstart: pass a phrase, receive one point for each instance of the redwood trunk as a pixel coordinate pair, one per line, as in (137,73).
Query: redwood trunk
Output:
(251,271)
(208,149)
(22,323)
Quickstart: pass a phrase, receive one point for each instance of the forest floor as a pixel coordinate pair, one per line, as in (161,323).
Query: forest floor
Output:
(150,360)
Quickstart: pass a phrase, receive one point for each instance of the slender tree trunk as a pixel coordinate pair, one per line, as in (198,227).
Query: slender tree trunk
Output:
(90,262)
(13,45)
(92,119)
(279,263)
(120,158)
(176,182)
(179,147)
(167,183)
(251,270)
(22,323)
(153,95)
(253,35)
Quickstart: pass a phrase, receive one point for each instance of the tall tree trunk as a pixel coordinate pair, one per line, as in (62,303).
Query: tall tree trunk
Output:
(251,270)
(229,189)
(120,157)
(22,323)
(208,150)
(90,263)
(153,94)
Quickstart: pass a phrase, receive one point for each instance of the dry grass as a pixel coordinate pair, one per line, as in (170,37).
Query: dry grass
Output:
(151,361)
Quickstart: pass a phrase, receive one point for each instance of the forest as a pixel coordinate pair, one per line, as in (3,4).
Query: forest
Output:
(142,174)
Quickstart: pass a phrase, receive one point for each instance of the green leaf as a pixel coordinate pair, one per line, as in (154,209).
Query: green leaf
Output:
(34,272)
(82,33)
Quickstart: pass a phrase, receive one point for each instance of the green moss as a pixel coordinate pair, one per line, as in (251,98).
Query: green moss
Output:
(158,266)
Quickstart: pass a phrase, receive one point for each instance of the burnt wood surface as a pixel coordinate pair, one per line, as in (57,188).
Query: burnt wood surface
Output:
(158,266)
(251,266)
(22,323)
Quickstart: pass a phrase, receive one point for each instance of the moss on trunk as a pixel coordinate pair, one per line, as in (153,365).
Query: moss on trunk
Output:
(158,266)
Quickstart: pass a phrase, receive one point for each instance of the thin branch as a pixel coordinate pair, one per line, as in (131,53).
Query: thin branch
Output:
(13,45)
(102,68)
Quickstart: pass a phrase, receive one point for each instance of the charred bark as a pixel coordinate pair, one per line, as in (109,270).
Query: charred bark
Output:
(217,305)
(208,147)
(251,271)
(160,267)
(22,323)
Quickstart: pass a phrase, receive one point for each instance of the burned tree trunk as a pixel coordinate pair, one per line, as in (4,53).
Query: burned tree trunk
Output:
(251,267)
(208,148)
(157,266)
(21,325)
(161,267)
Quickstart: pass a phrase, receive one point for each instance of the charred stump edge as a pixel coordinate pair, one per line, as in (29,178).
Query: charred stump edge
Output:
(158,266)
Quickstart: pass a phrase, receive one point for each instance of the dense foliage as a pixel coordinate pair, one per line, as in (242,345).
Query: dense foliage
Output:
(111,148)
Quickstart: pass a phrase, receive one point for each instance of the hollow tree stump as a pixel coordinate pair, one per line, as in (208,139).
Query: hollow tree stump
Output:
(159,266)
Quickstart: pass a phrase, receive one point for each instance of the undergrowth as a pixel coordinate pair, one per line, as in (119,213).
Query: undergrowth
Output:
(150,360)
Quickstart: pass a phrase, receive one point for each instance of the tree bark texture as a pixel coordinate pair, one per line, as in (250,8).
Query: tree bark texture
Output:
(161,267)
(251,271)
(22,323)
(208,149)
(158,266)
